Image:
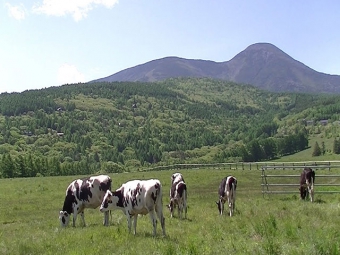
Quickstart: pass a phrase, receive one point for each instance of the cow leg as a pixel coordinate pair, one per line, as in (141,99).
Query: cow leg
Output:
(159,211)
(302,192)
(153,221)
(222,206)
(106,218)
(311,193)
(233,198)
(74,219)
(82,218)
(128,218)
(171,208)
(135,217)
(229,199)
(179,210)
(75,212)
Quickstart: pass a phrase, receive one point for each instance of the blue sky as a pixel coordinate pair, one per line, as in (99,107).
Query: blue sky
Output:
(46,43)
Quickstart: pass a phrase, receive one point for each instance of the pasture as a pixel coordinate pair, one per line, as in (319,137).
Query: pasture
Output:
(275,224)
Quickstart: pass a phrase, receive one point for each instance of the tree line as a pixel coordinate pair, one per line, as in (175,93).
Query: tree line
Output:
(114,127)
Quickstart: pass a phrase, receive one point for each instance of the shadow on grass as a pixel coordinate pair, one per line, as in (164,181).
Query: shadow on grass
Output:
(319,201)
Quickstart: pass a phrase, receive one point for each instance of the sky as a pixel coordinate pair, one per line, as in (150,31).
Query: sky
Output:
(45,43)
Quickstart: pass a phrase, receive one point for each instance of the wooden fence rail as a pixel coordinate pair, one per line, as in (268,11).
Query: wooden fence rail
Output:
(268,185)
(252,165)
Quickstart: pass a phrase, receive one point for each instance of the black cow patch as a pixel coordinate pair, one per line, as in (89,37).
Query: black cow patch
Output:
(231,181)
(221,190)
(181,187)
(104,186)
(173,188)
(69,200)
(120,194)
(85,192)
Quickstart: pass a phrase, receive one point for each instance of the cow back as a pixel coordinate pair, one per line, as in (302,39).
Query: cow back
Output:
(226,185)
(88,192)
(181,187)
(307,175)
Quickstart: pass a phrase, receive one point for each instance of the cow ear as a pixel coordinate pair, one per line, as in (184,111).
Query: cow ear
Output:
(62,213)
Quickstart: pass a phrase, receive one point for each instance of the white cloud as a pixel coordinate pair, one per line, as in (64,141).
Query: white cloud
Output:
(77,8)
(69,74)
(18,11)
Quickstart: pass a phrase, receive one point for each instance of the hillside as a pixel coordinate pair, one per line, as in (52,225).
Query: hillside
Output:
(262,65)
(124,126)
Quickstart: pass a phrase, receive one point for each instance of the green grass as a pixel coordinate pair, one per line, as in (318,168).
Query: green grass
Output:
(277,224)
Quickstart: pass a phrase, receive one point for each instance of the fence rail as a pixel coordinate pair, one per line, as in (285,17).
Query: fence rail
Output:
(253,165)
(269,187)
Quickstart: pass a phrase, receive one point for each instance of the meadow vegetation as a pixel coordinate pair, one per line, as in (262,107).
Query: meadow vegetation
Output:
(275,224)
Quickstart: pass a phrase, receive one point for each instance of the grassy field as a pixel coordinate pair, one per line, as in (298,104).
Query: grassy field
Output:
(278,224)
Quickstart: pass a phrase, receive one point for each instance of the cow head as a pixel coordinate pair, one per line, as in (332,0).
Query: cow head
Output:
(107,201)
(171,206)
(220,205)
(64,218)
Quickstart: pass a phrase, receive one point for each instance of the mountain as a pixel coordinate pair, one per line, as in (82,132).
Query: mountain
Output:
(262,65)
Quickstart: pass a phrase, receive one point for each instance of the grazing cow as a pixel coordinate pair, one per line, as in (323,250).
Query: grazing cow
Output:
(84,193)
(137,197)
(307,179)
(227,192)
(178,195)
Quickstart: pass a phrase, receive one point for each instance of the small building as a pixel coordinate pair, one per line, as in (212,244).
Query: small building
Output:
(324,122)
(309,122)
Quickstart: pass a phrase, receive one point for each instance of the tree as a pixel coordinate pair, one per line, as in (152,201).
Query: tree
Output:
(323,150)
(316,150)
(336,146)
(7,166)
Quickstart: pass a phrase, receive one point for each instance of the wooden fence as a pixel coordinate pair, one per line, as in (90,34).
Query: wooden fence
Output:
(251,165)
(289,183)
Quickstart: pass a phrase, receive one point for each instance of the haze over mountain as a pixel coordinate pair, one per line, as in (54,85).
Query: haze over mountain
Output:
(262,65)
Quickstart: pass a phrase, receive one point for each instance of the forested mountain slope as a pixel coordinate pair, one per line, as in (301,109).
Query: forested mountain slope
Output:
(113,127)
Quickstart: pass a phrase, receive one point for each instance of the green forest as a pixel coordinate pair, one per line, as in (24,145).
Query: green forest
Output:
(89,128)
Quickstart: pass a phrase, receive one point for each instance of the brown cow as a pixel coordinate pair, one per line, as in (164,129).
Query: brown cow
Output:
(307,179)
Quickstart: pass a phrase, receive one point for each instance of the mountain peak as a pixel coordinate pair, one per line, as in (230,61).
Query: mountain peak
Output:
(261,64)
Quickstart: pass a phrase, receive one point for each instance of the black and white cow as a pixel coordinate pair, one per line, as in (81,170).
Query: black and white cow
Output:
(227,193)
(137,197)
(307,179)
(84,193)
(178,195)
